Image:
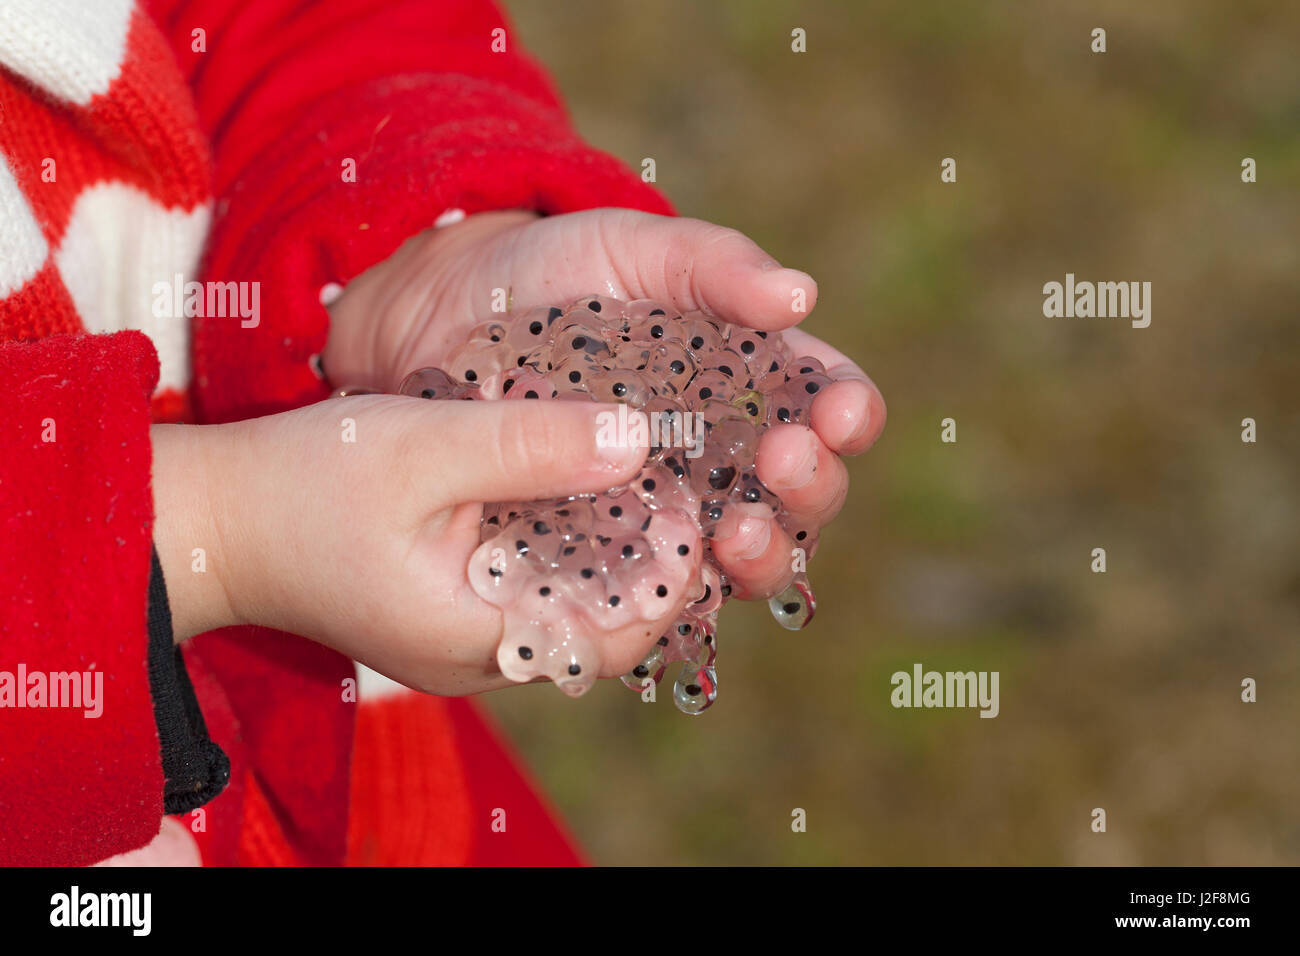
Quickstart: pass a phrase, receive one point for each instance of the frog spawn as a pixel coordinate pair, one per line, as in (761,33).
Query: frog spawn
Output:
(568,572)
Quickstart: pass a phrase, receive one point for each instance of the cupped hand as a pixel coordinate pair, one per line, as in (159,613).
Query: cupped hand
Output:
(414,308)
(353,521)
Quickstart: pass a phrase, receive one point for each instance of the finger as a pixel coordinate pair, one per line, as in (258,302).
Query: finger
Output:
(519,451)
(849,414)
(757,559)
(628,646)
(598,655)
(810,478)
(620,651)
(695,265)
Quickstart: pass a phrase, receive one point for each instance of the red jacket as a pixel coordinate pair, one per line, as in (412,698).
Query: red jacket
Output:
(205,138)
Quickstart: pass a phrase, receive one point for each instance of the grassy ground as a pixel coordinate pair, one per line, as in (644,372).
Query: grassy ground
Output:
(1118,690)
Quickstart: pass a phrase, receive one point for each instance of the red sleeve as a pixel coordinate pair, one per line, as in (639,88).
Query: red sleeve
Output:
(80,769)
(434,119)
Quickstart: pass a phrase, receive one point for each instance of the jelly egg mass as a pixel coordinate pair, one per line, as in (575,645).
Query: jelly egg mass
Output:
(568,572)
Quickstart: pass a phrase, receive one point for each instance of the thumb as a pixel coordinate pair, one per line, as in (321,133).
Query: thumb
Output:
(521,450)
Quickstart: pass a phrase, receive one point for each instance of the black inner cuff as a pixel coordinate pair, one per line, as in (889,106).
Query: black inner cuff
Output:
(195,770)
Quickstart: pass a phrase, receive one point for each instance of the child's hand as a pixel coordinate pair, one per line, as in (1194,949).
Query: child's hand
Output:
(363,544)
(411,310)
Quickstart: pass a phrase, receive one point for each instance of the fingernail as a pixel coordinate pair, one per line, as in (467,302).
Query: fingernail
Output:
(771,265)
(752,538)
(805,466)
(860,417)
(798,277)
(864,423)
(620,436)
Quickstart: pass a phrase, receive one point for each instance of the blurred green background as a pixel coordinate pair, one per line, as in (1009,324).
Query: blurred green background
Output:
(1118,690)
